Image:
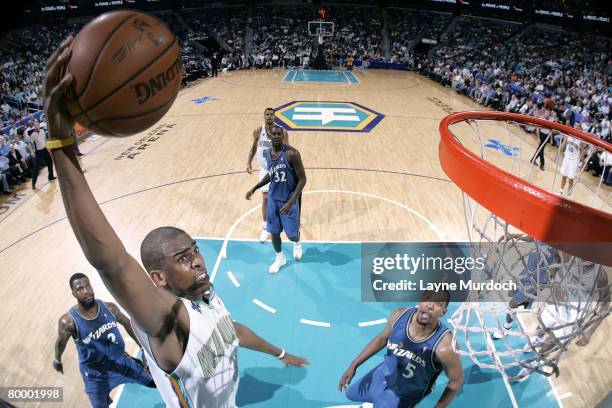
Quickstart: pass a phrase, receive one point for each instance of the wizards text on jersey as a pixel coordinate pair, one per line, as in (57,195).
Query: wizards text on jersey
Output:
(400,352)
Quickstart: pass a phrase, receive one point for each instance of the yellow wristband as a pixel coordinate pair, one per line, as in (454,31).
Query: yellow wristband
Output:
(59,143)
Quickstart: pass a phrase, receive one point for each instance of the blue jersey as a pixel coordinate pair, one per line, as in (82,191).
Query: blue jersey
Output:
(538,263)
(98,339)
(410,366)
(282,176)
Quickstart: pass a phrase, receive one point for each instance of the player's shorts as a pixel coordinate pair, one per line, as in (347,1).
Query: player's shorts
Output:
(521,299)
(527,287)
(561,319)
(100,381)
(569,167)
(262,173)
(277,222)
(372,387)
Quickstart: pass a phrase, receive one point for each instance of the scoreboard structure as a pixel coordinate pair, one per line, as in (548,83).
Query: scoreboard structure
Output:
(73,8)
(597,17)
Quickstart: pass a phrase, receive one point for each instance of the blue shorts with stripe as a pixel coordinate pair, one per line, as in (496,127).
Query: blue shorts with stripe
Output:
(373,388)
(277,222)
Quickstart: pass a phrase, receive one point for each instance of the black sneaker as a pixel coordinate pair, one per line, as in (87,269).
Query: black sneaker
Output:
(52,178)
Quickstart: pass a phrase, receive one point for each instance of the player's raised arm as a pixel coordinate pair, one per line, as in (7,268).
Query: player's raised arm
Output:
(563,144)
(453,369)
(372,348)
(121,273)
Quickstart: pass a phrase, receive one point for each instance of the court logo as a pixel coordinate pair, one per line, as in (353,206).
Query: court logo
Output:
(508,150)
(442,105)
(327,116)
(14,199)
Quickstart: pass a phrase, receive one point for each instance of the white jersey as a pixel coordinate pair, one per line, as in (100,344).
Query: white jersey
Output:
(38,139)
(263,144)
(572,148)
(207,375)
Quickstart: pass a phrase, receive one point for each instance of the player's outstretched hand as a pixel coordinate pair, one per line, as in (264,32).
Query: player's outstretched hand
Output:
(59,122)
(58,366)
(346,378)
(291,360)
(249,194)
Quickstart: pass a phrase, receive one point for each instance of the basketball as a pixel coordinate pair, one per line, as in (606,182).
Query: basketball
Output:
(127,72)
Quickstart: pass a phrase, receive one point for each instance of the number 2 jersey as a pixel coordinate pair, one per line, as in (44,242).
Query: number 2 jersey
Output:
(411,369)
(98,340)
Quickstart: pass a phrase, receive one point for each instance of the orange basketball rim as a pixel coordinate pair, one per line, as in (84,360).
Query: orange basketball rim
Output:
(572,227)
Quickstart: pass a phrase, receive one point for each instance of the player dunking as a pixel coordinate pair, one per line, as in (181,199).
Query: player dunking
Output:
(418,349)
(186,332)
(287,180)
(261,142)
(102,359)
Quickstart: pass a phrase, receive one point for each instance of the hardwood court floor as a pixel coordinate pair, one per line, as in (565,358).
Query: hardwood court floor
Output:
(193,177)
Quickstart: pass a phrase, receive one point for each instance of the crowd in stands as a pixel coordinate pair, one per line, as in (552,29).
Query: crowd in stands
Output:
(357,34)
(408,26)
(18,162)
(557,75)
(280,37)
(476,34)
(21,79)
(195,62)
(23,69)
(227,26)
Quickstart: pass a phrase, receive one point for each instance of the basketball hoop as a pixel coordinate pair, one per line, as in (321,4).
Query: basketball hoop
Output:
(513,209)
(566,224)
(320,30)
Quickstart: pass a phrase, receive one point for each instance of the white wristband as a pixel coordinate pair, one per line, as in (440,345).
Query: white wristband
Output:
(282,354)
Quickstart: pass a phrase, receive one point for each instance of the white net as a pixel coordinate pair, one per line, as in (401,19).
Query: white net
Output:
(321,28)
(560,298)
